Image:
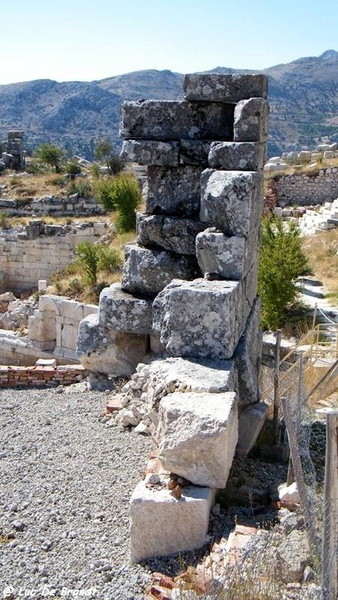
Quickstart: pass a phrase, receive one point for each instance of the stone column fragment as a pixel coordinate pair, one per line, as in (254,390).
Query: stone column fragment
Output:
(173,120)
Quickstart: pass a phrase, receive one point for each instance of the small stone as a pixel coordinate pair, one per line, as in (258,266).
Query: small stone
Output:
(142,428)
(151,479)
(19,525)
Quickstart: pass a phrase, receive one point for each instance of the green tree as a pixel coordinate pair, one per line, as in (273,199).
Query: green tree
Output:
(104,152)
(50,155)
(281,261)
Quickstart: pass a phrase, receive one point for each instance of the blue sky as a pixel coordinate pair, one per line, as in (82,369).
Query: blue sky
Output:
(93,39)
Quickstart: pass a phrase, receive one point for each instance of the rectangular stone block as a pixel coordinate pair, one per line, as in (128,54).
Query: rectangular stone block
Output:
(248,357)
(197,436)
(173,120)
(250,424)
(151,152)
(218,87)
(170,233)
(231,201)
(251,120)
(201,319)
(124,312)
(237,156)
(225,257)
(174,191)
(160,525)
(146,272)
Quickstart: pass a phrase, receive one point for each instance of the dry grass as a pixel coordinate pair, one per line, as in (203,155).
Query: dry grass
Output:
(322,253)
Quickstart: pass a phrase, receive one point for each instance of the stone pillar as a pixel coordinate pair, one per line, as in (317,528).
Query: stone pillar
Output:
(15,150)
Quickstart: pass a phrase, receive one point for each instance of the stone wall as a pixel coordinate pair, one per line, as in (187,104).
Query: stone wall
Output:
(40,250)
(41,376)
(308,188)
(52,205)
(189,287)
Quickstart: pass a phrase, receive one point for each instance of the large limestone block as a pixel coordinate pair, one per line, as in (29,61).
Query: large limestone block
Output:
(160,525)
(241,156)
(216,87)
(109,352)
(248,357)
(201,319)
(151,152)
(123,312)
(197,436)
(225,257)
(173,120)
(251,120)
(174,191)
(147,272)
(231,201)
(194,152)
(169,233)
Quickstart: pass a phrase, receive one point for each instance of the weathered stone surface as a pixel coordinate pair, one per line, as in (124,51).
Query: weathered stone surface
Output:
(241,156)
(173,120)
(194,152)
(124,312)
(251,120)
(147,272)
(201,319)
(174,191)
(250,424)
(222,256)
(171,233)
(161,525)
(151,152)
(109,352)
(197,436)
(248,357)
(232,201)
(294,554)
(217,87)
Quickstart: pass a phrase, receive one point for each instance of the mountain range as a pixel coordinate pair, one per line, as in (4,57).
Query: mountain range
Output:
(303,99)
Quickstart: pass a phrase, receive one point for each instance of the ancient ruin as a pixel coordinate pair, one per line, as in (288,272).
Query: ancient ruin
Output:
(13,157)
(188,293)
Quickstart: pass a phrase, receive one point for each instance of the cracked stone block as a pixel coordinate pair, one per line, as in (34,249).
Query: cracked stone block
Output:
(251,120)
(174,191)
(124,312)
(250,424)
(248,357)
(160,525)
(151,152)
(107,351)
(194,152)
(201,319)
(197,436)
(170,233)
(146,272)
(241,156)
(216,87)
(225,257)
(174,120)
(231,201)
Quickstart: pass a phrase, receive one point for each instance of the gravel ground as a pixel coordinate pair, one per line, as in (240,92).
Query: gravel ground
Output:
(65,483)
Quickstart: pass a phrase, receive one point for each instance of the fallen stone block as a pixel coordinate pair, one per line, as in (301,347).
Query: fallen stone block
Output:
(217,87)
(110,352)
(124,312)
(146,272)
(231,201)
(251,120)
(161,525)
(151,152)
(169,233)
(241,156)
(174,120)
(197,436)
(225,257)
(174,192)
(201,319)
(251,421)
(248,357)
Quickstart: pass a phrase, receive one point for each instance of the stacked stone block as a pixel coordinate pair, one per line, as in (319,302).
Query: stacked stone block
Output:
(191,278)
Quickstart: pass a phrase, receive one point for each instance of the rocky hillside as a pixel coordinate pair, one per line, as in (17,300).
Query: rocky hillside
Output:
(303,97)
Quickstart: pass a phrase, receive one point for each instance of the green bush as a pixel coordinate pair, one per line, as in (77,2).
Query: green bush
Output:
(72,168)
(110,258)
(50,155)
(88,257)
(104,193)
(281,261)
(121,193)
